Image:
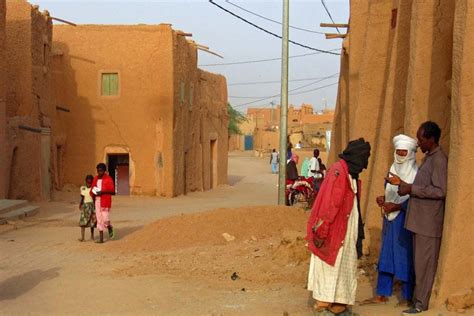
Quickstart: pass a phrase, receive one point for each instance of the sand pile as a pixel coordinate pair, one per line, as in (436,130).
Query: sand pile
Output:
(269,247)
(206,228)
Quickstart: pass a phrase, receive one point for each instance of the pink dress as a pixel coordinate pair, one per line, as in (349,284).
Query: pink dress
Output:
(102,213)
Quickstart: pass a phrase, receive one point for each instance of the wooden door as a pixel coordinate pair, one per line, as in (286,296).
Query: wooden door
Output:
(123,179)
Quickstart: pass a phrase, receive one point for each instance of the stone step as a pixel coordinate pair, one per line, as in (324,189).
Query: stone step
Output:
(11,205)
(23,212)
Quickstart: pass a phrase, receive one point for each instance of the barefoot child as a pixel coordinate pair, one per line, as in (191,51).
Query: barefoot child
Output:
(102,190)
(86,206)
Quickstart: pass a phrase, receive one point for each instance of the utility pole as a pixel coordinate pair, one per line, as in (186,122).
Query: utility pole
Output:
(284,103)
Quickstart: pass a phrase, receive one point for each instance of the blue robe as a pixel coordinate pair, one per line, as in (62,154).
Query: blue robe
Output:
(396,256)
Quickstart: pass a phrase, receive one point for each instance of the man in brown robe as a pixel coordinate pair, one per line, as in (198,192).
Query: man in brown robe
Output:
(425,213)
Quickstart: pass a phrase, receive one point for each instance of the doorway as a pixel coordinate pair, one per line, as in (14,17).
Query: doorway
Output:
(119,170)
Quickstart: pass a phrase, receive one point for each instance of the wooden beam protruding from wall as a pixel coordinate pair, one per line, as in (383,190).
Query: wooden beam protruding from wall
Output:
(63,21)
(334,25)
(333,36)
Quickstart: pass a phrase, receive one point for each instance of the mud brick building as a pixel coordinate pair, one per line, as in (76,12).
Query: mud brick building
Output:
(139,103)
(26,116)
(130,96)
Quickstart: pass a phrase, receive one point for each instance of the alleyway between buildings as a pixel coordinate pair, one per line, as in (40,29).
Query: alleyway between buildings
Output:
(180,265)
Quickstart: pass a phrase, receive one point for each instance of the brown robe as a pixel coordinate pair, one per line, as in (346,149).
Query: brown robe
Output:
(425,218)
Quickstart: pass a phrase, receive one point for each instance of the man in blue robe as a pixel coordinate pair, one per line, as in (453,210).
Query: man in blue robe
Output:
(396,254)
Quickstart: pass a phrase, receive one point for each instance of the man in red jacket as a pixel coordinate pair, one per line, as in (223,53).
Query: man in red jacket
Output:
(102,190)
(335,231)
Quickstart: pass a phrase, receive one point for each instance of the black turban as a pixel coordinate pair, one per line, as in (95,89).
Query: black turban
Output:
(356,155)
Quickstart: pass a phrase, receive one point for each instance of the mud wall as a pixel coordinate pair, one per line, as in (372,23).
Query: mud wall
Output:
(266,140)
(161,116)
(396,71)
(456,268)
(187,138)
(215,137)
(137,120)
(3,90)
(28,42)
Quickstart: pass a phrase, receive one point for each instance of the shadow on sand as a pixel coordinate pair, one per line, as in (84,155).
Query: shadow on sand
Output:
(233,180)
(18,285)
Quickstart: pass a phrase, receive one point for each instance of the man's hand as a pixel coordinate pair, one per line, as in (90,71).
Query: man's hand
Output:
(380,200)
(318,243)
(404,189)
(393,179)
(390,207)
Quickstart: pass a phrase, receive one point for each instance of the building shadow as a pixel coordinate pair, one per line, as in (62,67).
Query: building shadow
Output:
(18,285)
(233,180)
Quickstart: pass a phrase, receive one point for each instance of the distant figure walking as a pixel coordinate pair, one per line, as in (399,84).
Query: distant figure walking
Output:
(274,160)
(86,206)
(102,190)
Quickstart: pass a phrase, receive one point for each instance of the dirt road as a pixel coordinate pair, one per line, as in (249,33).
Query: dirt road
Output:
(45,270)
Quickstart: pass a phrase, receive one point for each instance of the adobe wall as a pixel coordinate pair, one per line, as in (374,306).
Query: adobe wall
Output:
(456,268)
(403,79)
(236,143)
(28,40)
(213,99)
(138,121)
(3,90)
(187,138)
(266,140)
(390,118)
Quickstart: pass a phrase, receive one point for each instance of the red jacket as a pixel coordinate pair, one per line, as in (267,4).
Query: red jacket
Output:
(330,213)
(107,185)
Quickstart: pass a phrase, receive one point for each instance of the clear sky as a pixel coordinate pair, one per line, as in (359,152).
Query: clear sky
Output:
(235,40)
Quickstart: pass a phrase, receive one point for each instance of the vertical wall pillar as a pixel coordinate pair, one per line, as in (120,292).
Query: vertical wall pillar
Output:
(46,163)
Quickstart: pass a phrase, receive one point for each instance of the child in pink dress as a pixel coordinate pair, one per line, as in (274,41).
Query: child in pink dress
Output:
(102,190)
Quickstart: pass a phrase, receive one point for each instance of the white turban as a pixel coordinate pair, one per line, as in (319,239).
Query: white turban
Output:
(405,142)
(404,167)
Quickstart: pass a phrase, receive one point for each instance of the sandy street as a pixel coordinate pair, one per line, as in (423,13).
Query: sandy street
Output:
(45,270)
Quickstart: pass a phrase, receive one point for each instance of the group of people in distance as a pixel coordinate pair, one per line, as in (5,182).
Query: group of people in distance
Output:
(412,209)
(96,203)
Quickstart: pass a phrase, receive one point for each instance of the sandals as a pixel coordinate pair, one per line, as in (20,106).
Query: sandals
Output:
(378,300)
(111,233)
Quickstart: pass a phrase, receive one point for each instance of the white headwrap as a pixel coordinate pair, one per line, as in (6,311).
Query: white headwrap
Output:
(404,167)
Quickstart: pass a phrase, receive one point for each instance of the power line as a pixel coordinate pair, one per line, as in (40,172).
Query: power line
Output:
(301,92)
(329,13)
(291,90)
(274,81)
(315,89)
(264,60)
(271,33)
(268,19)
(277,95)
